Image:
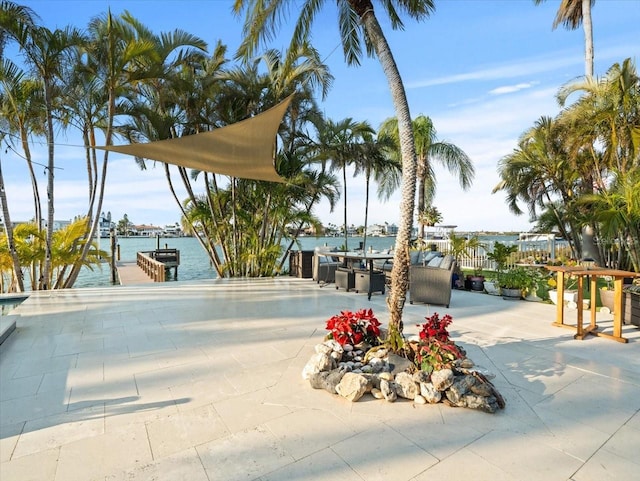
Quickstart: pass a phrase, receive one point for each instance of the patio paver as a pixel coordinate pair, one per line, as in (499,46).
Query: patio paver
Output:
(202,381)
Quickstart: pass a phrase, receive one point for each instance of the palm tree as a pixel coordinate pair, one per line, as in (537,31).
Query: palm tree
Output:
(122,54)
(8,229)
(339,143)
(618,211)
(429,217)
(45,52)
(572,14)
(21,107)
(540,171)
(428,148)
(374,160)
(358,24)
(12,18)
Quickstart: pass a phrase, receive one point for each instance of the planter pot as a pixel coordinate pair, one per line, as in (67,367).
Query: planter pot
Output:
(477,283)
(511,294)
(606,298)
(492,287)
(569,296)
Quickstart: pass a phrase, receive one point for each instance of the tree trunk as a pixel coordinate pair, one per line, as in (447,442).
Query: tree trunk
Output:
(589,248)
(8,228)
(366,209)
(46,271)
(588,38)
(346,234)
(400,271)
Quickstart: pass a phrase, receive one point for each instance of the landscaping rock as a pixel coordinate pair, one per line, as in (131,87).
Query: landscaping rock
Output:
(327,380)
(406,387)
(430,393)
(317,363)
(352,386)
(442,379)
(388,390)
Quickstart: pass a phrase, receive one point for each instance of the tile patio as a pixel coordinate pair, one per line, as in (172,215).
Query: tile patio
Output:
(201,381)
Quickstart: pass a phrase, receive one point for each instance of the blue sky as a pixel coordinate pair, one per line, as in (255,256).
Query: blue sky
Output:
(483,70)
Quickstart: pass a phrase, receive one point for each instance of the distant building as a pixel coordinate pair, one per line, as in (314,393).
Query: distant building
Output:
(147,230)
(376,230)
(172,230)
(392,229)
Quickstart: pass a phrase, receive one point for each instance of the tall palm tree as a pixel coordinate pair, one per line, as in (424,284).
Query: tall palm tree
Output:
(21,108)
(8,229)
(12,18)
(45,53)
(340,144)
(358,24)
(572,14)
(374,159)
(538,173)
(123,53)
(428,149)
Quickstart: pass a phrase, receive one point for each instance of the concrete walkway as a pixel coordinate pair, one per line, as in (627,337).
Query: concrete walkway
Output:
(202,381)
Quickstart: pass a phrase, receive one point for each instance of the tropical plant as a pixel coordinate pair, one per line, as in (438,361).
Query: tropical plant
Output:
(373,160)
(358,25)
(67,249)
(500,254)
(617,211)
(572,14)
(17,280)
(518,277)
(354,327)
(342,144)
(435,350)
(428,150)
(45,52)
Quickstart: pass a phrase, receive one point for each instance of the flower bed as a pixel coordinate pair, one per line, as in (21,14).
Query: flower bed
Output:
(354,360)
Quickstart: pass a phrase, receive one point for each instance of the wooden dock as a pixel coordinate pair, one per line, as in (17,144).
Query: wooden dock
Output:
(129,273)
(149,266)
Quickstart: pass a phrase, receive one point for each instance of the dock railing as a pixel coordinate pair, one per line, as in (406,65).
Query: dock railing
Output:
(151,267)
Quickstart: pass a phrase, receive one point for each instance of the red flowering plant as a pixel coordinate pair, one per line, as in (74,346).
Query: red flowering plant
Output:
(436,350)
(354,327)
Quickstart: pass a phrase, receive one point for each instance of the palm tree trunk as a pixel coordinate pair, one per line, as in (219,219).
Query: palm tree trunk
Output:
(344,179)
(588,38)
(400,271)
(421,202)
(46,271)
(8,228)
(366,209)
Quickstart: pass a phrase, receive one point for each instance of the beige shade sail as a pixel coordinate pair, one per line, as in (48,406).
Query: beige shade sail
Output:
(245,149)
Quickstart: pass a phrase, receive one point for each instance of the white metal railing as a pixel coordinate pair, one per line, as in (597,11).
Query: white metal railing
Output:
(528,253)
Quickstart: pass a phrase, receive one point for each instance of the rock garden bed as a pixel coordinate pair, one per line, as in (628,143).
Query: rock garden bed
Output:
(355,360)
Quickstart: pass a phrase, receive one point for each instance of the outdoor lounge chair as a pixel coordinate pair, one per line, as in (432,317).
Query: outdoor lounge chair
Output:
(324,266)
(431,284)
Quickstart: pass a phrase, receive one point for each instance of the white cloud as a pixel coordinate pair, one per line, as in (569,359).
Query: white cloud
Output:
(507,89)
(511,69)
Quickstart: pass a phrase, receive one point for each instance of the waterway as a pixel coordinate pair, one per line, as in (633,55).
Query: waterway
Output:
(194,262)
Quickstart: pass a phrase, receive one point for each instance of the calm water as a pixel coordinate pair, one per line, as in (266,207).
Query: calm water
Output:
(7,305)
(194,263)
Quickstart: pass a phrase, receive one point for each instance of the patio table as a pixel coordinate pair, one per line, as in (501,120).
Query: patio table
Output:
(582,272)
(368,258)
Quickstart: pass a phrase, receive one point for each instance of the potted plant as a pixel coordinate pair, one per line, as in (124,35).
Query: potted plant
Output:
(460,247)
(500,255)
(516,282)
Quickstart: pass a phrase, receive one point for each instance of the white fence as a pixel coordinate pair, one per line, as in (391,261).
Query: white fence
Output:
(529,252)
